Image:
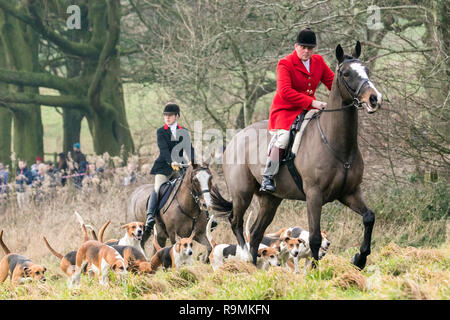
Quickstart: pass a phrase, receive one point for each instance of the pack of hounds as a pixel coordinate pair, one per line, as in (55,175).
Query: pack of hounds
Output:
(95,257)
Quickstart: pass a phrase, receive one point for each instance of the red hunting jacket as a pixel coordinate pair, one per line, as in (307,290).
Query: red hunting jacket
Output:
(296,87)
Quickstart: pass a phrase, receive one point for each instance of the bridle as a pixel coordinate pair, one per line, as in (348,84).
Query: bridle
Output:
(353,93)
(195,195)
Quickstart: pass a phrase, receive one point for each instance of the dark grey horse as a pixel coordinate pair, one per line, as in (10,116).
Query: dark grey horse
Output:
(328,160)
(184,214)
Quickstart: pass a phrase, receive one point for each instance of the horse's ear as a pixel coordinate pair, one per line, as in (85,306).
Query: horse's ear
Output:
(357,51)
(339,53)
(206,162)
(195,165)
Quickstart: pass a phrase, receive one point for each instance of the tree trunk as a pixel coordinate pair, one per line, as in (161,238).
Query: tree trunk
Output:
(21,49)
(5,119)
(5,136)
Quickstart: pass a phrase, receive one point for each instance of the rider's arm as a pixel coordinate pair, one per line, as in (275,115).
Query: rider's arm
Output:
(163,147)
(284,87)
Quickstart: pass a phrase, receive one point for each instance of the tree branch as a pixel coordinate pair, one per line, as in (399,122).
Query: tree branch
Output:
(34,79)
(109,48)
(79,49)
(64,101)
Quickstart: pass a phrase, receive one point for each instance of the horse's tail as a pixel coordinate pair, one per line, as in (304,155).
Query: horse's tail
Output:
(208,232)
(220,204)
(102,231)
(247,224)
(56,254)
(5,248)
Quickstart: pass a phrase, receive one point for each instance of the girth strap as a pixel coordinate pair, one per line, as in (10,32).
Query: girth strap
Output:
(294,173)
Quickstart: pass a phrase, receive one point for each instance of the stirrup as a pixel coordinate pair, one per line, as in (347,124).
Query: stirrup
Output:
(267,184)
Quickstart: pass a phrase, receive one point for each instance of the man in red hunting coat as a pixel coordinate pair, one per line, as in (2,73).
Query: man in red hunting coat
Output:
(298,76)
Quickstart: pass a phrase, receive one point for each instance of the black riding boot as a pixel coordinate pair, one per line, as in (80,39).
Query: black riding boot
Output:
(150,222)
(272,166)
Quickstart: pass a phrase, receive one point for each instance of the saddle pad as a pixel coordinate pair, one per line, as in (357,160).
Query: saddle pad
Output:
(164,192)
(298,136)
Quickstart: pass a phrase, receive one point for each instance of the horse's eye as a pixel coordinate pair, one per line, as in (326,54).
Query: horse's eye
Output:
(346,73)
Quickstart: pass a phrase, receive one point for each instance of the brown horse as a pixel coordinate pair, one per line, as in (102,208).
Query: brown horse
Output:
(329,162)
(184,213)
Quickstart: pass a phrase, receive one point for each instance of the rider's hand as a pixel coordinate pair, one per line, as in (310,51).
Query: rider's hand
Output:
(318,104)
(175,166)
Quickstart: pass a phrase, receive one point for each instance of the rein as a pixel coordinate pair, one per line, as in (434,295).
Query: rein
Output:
(196,198)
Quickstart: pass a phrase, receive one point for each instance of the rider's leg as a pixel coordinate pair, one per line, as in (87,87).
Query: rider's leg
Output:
(279,142)
(152,207)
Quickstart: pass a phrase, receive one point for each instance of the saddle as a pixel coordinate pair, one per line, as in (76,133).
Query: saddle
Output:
(164,192)
(295,134)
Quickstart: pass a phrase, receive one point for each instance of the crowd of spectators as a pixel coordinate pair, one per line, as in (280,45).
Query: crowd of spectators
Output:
(72,169)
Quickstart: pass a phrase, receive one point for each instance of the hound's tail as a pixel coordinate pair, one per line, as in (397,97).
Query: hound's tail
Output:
(84,226)
(208,232)
(5,248)
(276,234)
(247,224)
(56,254)
(155,242)
(102,231)
(220,204)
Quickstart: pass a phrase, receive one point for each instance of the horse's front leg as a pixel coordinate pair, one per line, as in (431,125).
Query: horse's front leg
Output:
(314,201)
(355,202)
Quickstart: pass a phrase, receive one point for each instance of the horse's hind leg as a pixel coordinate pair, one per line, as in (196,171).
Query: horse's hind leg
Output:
(241,202)
(268,205)
(356,203)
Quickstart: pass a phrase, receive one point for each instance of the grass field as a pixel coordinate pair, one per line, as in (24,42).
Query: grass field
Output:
(392,273)
(410,250)
(410,246)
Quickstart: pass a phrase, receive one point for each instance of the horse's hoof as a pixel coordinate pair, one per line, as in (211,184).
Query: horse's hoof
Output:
(359,261)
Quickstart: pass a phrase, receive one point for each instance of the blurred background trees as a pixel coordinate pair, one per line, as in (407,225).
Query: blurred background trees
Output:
(218,60)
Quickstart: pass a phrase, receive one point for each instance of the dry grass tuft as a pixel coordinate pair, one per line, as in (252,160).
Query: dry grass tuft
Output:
(390,249)
(351,279)
(237,266)
(412,290)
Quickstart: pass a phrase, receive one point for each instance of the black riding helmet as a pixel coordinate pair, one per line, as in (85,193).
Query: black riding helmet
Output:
(307,38)
(171,108)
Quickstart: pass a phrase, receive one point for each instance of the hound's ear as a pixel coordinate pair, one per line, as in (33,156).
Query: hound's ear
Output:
(286,238)
(339,53)
(357,51)
(125,226)
(177,238)
(324,232)
(27,270)
(45,269)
